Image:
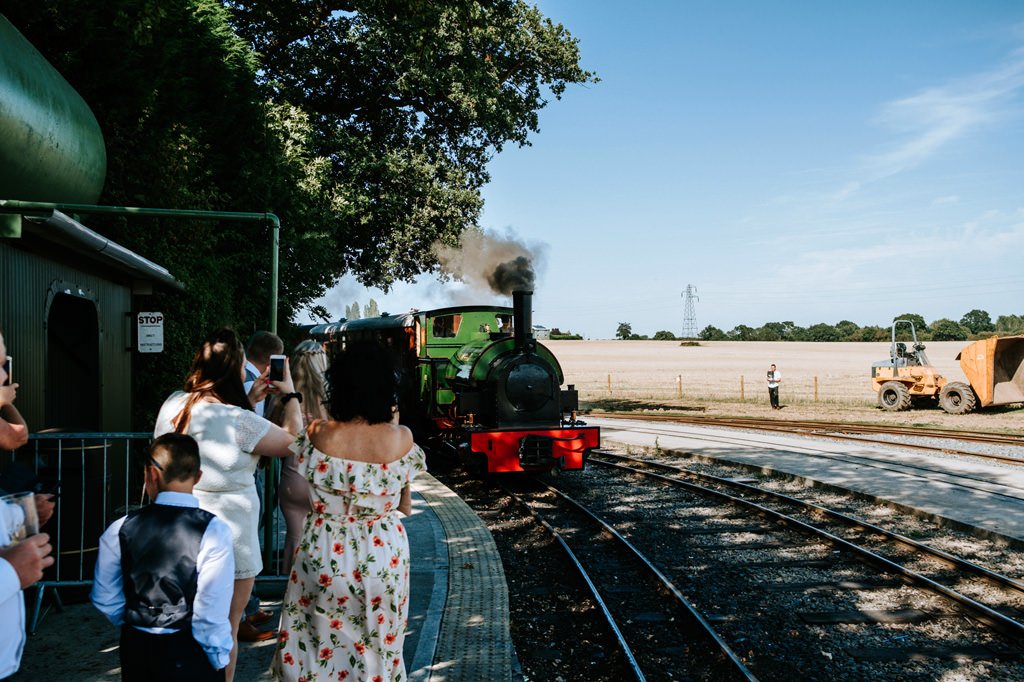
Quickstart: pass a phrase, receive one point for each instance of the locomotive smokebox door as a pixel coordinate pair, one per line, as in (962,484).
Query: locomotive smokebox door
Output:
(528,393)
(528,387)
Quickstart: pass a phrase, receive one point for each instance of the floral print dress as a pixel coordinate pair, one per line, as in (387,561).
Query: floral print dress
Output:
(347,601)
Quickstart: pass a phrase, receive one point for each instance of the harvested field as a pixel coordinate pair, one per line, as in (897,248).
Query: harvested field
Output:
(711,376)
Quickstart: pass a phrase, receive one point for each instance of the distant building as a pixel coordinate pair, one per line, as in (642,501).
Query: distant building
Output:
(541,333)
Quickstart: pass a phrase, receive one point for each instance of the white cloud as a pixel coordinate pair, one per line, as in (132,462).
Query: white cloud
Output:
(935,117)
(948,199)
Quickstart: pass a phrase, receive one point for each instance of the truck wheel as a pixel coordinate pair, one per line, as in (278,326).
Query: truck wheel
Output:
(893,397)
(957,398)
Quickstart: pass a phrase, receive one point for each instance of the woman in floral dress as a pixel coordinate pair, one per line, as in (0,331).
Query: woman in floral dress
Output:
(347,601)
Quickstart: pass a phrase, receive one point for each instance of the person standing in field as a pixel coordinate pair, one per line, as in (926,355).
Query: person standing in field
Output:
(774,379)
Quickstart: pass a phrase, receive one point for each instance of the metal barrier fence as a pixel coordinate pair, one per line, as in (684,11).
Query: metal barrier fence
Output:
(98,478)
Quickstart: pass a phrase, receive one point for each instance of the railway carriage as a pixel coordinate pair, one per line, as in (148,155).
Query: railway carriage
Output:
(476,383)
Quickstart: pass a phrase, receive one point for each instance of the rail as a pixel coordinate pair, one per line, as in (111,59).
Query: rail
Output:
(98,477)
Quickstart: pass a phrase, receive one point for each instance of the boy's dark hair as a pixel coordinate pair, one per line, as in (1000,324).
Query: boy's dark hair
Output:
(183,464)
(262,345)
(362,383)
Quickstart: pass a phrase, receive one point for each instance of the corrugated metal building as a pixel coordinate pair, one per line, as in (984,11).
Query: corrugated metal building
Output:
(67,296)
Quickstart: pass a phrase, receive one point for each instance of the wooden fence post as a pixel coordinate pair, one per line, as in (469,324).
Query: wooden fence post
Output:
(609,384)
(815,388)
(679,386)
(741,387)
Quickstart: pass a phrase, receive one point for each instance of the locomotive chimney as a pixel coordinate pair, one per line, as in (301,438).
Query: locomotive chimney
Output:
(522,309)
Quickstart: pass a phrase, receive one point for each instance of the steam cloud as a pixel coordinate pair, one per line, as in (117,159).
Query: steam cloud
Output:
(486,261)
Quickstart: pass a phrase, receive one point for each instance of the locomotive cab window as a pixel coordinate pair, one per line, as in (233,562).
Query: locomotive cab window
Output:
(446,326)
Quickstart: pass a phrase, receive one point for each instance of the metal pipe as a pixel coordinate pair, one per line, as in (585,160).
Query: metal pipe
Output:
(522,311)
(16,206)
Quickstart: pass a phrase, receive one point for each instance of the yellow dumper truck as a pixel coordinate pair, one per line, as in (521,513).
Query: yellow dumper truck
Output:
(994,368)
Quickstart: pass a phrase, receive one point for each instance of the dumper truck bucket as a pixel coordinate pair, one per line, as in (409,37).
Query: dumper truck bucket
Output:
(995,369)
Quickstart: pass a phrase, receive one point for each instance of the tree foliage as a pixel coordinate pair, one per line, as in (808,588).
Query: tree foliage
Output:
(408,101)
(846,330)
(664,335)
(978,321)
(624,331)
(371,309)
(948,330)
(1010,324)
(920,326)
(710,333)
(365,126)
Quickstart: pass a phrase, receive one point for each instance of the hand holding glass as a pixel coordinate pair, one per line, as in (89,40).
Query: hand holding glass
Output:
(30,523)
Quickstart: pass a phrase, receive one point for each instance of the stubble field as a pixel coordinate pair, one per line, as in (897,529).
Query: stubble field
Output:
(829,381)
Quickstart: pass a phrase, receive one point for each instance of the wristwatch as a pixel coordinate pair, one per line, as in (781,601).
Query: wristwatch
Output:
(285,398)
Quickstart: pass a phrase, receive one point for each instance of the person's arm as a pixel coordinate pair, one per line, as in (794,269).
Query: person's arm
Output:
(291,418)
(276,440)
(44,507)
(405,502)
(260,437)
(216,567)
(13,430)
(256,390)
(108,582)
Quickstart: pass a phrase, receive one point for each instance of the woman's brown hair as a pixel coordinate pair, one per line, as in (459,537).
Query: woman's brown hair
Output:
(216,372)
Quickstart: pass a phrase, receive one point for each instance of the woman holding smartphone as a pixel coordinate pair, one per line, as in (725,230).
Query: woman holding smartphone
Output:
(308,365)
(215,410)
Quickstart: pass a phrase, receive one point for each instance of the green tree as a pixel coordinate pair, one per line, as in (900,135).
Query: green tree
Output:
(822,332)
(408,102)
(1010,324)
(710,333)
(847,330)
(371,309)
(772,331)
(978,321)
(624,331)
(871,333)
(903,331)
(742,332)
(664,336)
(948,330)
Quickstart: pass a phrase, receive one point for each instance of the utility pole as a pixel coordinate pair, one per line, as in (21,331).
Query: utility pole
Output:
(689,315)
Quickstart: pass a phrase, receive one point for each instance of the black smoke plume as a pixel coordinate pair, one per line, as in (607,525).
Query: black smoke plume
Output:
(499,264)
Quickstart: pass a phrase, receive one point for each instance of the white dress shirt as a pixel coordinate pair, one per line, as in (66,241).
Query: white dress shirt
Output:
(253,369)
(12,605)
(215,565)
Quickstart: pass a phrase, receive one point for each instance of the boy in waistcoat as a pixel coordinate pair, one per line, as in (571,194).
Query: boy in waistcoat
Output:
(165,574)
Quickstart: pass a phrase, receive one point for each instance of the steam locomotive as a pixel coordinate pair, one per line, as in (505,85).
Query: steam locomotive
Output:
(477,384)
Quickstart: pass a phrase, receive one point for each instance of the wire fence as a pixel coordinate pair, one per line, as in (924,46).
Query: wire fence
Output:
(680,388)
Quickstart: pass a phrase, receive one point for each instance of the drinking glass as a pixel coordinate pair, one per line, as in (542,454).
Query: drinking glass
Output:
(30,523)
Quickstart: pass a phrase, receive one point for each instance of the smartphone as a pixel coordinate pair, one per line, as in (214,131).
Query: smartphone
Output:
(8,365)
(276,368)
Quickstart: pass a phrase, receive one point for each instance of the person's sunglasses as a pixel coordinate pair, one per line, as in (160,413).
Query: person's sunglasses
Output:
(155,463)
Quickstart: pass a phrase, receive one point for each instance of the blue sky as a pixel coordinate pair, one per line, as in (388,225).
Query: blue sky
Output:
(803,161)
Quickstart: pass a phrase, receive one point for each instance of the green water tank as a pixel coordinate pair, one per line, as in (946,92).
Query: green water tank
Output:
(51,146)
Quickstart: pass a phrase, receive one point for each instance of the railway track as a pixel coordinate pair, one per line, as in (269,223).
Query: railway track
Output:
(861,433)
(727,554)
(656,628)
